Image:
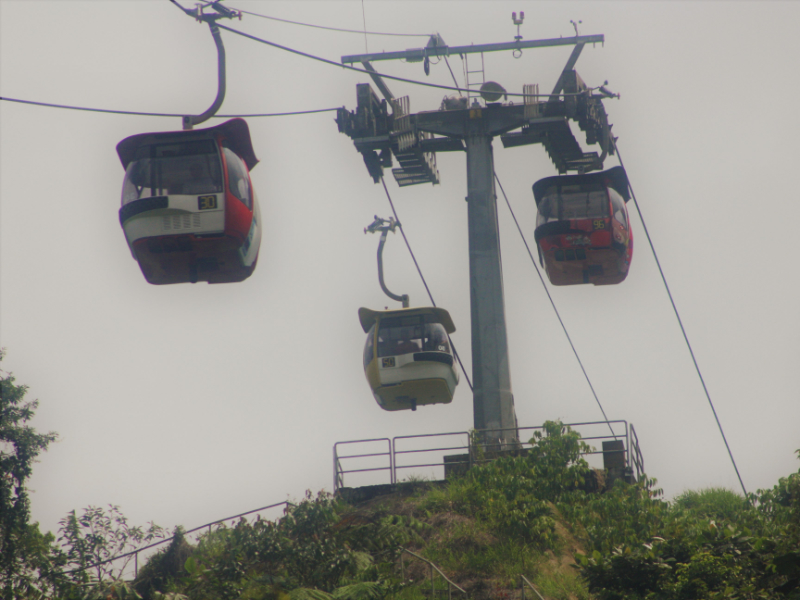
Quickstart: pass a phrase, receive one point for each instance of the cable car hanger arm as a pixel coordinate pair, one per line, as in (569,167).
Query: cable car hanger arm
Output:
(385,226)
(222,12)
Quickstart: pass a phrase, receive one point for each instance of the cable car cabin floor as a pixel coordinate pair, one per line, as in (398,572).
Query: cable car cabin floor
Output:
(188,259)
(600,267)
(402,396)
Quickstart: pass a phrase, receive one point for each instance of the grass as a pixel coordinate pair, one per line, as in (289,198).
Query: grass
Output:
(717,504)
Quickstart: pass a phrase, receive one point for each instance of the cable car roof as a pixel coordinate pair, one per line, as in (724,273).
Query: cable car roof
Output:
(235,132)
(368,316)
(614,177)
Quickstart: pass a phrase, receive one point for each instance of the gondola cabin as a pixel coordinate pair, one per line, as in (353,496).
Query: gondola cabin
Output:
(189,210)
(408,360)
(582,228)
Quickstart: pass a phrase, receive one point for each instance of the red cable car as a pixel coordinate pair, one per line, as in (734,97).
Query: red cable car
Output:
(189,211)
(582,228)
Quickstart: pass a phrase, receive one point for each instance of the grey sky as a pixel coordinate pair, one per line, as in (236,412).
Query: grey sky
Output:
(183,404)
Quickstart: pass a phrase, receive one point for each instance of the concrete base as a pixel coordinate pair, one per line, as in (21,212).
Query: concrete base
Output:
(370,492)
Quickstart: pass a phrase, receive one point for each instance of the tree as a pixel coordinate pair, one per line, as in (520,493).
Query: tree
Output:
(20,444)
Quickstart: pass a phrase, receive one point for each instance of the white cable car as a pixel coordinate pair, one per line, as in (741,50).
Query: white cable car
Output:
(408,359)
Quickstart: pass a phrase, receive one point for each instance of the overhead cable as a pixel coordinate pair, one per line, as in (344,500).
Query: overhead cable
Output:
(553,304)
(680,323)
(150,114)
(427,289)
(247,12)
(364,17)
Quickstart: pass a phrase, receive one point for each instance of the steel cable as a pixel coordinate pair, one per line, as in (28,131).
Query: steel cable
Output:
(680,323)
(247,12)
(149,114)
(383,75)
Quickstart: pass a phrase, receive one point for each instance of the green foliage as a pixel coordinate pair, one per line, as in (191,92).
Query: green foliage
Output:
(555,459)
(165,566)
(92,540)
(511,494)
(512,515)
(318,551)
(780,507)
(719,505)
(707,544)
(23,550)
(363,590)
(626,515)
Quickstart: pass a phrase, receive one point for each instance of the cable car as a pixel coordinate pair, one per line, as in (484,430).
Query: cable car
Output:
(189,211)
(582,227)
(408,360)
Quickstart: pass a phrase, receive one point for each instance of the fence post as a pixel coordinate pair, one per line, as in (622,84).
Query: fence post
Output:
(433,588)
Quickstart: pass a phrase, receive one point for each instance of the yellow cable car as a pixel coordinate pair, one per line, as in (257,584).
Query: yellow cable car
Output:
(408,359)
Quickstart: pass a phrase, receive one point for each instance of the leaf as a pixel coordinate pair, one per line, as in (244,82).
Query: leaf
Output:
(365,590)
(190,565)
(309,594)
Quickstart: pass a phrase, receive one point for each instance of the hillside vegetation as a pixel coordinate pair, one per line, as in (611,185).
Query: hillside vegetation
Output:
(540,515)
(529,515)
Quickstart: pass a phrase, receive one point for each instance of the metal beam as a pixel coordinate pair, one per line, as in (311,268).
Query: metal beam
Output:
(420,53)
(387,93)
(573,58)
(496,119)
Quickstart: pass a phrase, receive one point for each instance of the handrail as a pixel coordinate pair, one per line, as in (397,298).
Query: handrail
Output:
(338,470)
(433,566)
(638,460)
(136,552)
(395,451)
(522,588)
(632,452)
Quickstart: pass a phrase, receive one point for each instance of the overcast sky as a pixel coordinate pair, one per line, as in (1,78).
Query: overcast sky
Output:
(187,403)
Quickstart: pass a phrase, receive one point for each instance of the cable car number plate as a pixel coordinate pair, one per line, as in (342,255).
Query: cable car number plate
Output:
(206,202)
(387,361)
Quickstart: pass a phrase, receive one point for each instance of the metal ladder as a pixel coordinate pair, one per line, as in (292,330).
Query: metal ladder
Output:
(472,81)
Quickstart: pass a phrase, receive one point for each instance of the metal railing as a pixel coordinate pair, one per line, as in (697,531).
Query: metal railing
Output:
(399,453)
(135,553)
(338,472)
(396,457)
(433,567)
(637,461)
(523,581)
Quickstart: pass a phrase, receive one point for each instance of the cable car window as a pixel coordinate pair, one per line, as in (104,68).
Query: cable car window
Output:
(618,206)
(406,335)
(436,340)
(584,202)
(180,168)
(369,346)
(238,180)
(580,201)
(548,207)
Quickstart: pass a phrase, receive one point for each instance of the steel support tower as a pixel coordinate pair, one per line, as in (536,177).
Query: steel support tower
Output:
(383,129)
